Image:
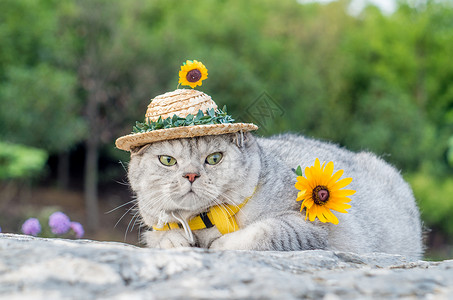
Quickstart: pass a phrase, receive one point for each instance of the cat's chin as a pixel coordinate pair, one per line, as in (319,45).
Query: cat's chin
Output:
(192,202)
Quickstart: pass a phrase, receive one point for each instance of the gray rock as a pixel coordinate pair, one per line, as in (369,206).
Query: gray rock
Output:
(37,268)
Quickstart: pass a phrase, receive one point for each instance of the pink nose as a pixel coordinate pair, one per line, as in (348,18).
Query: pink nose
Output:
(192,176)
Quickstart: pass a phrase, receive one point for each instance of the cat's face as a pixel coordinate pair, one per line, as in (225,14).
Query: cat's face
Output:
(190,175)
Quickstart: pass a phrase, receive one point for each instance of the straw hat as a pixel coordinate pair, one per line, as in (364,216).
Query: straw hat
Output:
(180,102)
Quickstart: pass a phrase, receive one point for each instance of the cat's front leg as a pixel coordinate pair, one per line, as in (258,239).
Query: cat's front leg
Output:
(288,232)
(166,239)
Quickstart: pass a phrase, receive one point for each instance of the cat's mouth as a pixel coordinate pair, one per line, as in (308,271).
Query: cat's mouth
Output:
(192,201)
(186,205)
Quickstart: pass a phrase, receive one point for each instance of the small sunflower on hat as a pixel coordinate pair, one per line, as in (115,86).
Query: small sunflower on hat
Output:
(192,73)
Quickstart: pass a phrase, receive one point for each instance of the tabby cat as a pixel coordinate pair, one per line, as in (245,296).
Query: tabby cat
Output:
(176,180)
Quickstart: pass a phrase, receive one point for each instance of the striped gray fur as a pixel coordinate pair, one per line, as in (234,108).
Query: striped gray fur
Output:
(383,216)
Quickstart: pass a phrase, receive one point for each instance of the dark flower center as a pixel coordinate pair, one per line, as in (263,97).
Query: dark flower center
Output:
(320,195)
(193,75)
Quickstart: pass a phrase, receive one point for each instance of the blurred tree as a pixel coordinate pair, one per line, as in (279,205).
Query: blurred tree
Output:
(18,165)
(38,106)
(17,161)
(116,75)
(385,78)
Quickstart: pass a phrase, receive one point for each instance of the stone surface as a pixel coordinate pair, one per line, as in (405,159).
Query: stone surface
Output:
(36,268)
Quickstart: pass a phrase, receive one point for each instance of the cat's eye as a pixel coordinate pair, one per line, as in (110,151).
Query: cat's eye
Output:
(214,158)
(167,160)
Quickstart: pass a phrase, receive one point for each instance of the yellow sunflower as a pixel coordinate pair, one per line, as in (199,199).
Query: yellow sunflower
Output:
(192,73)
(321,191)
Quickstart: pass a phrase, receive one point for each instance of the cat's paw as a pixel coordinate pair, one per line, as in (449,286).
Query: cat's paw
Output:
(166,239)
(246,239)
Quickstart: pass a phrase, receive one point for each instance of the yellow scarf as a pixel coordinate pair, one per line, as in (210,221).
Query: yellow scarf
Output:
(221,216)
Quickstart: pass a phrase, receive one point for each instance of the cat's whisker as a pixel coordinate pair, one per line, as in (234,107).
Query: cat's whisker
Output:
(127,229)
(223,205)
(215,200)
(157,205)
(137,218)
(136,214)
(124,204)
(233,203)
(124,182)
(127,211)
(122,164)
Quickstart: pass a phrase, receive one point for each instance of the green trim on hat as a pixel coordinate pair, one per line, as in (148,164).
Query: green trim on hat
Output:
(210,117)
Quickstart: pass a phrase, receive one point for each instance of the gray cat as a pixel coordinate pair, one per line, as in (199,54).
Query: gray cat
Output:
(178,179)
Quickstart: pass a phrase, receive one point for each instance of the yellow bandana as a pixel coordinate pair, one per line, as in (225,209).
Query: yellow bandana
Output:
(221,216)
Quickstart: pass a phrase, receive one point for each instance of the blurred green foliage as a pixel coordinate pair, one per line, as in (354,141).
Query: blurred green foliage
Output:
(436,206)
(74,70)
(20,162)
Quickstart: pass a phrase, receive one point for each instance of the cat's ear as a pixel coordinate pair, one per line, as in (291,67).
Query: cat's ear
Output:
(242,139)
(139,150)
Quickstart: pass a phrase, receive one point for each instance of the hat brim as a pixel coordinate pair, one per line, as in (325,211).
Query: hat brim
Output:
(140,139)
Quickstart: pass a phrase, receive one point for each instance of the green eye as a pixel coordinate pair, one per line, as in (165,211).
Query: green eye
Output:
(214,158)
(167,160)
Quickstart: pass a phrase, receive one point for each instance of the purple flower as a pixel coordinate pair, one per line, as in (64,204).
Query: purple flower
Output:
(59,223)
(78,229)
(31,226)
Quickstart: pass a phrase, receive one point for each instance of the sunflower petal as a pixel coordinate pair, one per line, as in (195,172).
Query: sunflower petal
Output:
(320,214)
(341,184)
(331,217)
(317,176)
(310,177)
(303,205)
(301,196)
(316,172)
(335,177)
(312,213)
(328,170)
(326,214)
(315,210)
(343,193)
(338,207)
(317,163)
(308,203)
(339,199)
(302,183)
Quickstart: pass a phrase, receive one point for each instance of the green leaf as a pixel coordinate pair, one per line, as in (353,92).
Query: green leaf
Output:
(299,171)
(211,116)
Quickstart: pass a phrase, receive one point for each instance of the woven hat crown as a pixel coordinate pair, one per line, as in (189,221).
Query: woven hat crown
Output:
(181,102)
